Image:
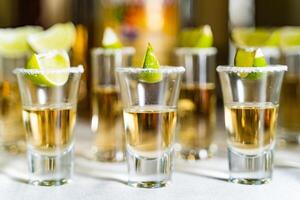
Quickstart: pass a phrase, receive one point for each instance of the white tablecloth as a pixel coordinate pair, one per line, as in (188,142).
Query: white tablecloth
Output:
(202,180)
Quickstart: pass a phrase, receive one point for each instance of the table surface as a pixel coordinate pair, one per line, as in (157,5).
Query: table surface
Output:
(205,179)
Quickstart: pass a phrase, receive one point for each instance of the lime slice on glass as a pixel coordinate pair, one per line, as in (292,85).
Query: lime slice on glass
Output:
(49,61)
(274,39)
(204,37)
(259,59)
(258,37)
(57,37)
(150,62)
(244,57)
(249,57)
(201,37)
(110,39)
(13,41)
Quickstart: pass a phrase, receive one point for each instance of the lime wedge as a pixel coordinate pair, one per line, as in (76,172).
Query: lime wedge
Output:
(57,37)
(244,57)
(249,57)
(13,41)
(259,60)
(258,37)
(110,39)
(274,39)
(204,37)
(201,37)
(51,60)
(150,62)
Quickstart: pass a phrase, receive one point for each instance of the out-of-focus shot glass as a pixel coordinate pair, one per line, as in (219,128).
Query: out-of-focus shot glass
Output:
(107,122)
(150,121)
(289,120)
(49,115)
(197,103)
(251,101)
(12,133)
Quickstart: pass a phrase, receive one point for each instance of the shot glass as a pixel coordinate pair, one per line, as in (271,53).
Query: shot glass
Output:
(12,132)
(49,115)
(289,121)
(251,101)
(149,112)
(107,122)
(197,103)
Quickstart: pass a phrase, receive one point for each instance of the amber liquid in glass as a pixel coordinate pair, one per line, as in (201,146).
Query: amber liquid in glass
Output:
(107,123)
(11,125)
(289,118)
(197,116)
(49,128)
(251,126)
(149,130)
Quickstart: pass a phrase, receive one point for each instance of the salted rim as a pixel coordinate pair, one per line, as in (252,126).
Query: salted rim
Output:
(74,70)
(269,68)
(108,51)
(195,51)
(162,69)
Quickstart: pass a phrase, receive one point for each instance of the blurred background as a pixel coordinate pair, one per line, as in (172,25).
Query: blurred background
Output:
(139,21)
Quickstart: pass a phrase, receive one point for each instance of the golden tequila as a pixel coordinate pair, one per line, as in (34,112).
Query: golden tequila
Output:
(149,130)
(107,121)
(49,128)
(251,126)
(289,111)
(11,125)
(196,112)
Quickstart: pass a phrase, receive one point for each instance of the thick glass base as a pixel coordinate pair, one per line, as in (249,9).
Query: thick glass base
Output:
(250,181)
(108,156)
(250,169)
(50,170)
(149,172)
(148,184)
(197,154)
(50,182)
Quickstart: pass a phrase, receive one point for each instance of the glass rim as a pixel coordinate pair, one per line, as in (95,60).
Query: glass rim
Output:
(195,50)
(162,69)
(268,68)
(73,70)
(124,50)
